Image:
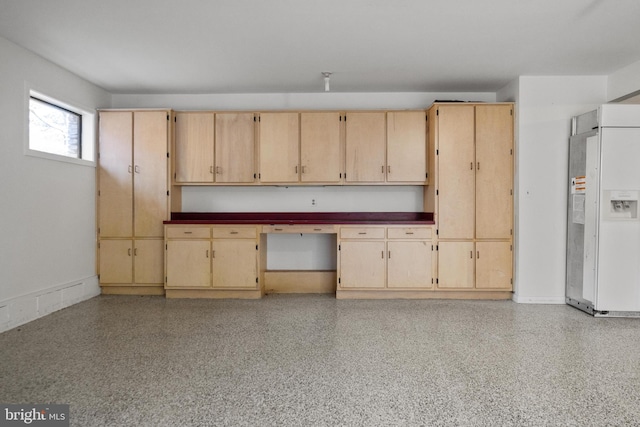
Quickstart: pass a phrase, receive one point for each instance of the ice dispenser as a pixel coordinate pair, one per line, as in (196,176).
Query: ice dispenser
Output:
(620,205)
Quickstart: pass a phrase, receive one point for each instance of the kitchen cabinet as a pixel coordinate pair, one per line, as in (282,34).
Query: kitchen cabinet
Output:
(406,147)
(234,148)
(133,197)
(365,144)
(386,147)
(194,146)
(385,258)
(474,194)
(320,147)
(279,147)
(212,257)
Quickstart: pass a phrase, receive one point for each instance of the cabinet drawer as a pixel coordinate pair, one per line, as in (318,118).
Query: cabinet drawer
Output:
(409,233)
(234,232)
(188,232)
(361,233)
(302,229)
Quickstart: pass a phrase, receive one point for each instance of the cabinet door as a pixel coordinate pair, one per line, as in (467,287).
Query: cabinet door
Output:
(194,147)
(320,147)
(456,265)
(150,145)
(409,264)
(494,176)
(115,169)
(456,172)
(279,147)
(362,265)
(234,264)
(148,265)
(494,265)
(235,148)
(406,146)
(188,263)
(365,143)
(116,265)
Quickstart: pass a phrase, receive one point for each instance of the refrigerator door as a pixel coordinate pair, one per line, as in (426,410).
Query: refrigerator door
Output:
(618,274)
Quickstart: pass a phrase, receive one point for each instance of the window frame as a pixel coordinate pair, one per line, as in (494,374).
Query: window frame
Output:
(87,149)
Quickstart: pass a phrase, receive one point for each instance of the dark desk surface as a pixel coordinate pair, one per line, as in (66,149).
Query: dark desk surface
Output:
(416,218)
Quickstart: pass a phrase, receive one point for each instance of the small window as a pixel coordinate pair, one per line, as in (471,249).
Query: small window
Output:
(54,129)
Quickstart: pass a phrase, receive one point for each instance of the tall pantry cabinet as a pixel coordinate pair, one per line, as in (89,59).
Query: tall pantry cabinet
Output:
(133,200)
(474,194)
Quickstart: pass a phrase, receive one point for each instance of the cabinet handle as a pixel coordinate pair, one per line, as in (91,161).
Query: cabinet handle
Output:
(136,169)
(233,232)
(471,165)
(130,169)
(478,254)
(296,168)
(382,253)
(188,232)
(478,166)
(207,255)
(135,252)
(213,254)
(218,170)
(409,232)
(129,251)
(211,169)
(362,232)
(389,254)
(382,169)
(471,254)
(304,169)
(317,229)
(277,229)
(389,169)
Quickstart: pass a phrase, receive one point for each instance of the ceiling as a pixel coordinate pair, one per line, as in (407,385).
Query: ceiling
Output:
(263,46)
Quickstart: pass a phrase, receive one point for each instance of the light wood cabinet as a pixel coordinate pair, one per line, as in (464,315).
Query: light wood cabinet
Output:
(365,143)
(188,263)
(212,257)
(406,146)
(194,146)
(386,147)
(279,147)
(235,148)
(320,147)
(474,194)
(133,197)
(385,258)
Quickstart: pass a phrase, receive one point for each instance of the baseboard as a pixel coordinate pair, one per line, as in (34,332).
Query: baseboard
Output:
(25,308)
(537,300)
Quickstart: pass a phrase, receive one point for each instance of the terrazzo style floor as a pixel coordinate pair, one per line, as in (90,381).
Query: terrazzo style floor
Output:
(305,360)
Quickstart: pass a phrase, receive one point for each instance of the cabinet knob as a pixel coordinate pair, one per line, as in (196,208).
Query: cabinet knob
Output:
(211,169)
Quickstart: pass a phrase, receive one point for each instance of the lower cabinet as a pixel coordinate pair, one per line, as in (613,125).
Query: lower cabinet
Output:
(475,265)
(212,257)
(131,262)
(385,258)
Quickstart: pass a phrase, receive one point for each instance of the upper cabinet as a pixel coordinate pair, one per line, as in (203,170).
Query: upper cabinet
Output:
(406,146)
(293,147)
(365,142)
(214,148)
(386,147)
(320,148)
(279,147)
(235,148)
(194,145)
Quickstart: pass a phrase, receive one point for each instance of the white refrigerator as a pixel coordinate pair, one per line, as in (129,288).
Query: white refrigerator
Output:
(603,225)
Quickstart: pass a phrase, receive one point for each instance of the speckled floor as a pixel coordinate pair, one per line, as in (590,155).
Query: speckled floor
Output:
(308,360)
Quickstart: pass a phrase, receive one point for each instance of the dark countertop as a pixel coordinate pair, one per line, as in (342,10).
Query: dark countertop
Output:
(416,218)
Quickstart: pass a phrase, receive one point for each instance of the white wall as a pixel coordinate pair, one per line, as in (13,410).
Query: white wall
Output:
(47,219)
(545,108)
(624,81)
